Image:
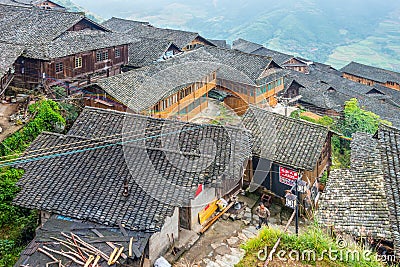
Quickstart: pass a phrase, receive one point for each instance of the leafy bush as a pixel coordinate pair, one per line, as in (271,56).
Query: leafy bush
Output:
(46,116)
(17,225)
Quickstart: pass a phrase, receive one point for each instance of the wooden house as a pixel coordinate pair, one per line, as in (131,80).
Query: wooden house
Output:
(75,58)
(284,60)
(326,93)
(8,56)
(122,25)
(47,5)
(139,182)
(62,46)
(148,51)
(247,79)
(286,149)
(162,90)
(183,39)
(370,75)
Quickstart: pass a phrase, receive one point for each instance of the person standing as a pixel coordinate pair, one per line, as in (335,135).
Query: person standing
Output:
(263,215)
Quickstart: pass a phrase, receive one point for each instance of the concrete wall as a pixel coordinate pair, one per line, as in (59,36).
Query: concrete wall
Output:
(160,242)
(198,204)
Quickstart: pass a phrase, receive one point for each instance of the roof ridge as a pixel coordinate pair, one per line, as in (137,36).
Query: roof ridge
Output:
(105,111)
(386,127)
(130,145)
(241,52)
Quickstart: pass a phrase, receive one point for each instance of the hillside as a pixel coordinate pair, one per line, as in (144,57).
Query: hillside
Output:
(325,31)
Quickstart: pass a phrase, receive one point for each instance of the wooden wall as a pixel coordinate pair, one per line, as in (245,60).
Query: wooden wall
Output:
(237,104)
(362,80)
(29,72)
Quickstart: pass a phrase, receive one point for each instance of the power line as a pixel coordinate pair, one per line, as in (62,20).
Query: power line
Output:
(35,158)
(123,135)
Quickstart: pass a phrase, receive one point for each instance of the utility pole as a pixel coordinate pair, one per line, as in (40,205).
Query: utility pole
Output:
(297,206)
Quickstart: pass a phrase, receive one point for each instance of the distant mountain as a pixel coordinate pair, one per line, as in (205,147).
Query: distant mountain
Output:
(71,6)
(334,32)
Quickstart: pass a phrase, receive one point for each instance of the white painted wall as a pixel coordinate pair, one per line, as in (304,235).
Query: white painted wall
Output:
(160,242)
(198,204)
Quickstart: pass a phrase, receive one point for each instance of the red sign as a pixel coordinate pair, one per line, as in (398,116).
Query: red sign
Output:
(199,190)
(287,177)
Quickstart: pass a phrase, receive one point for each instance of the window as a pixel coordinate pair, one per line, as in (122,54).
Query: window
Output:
(117,52)
(78,62)
(59,67)
(100,56)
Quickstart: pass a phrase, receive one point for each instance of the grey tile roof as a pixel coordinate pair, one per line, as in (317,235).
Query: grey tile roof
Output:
(22,25)
(389,141)
(73,42)
(88,186)
(146,51)
(245,46)
(163,160)
(57,225)
(178,37)
(278,57)
(354,200)
(142,88)
(327,90)
(257,49)
(272,75)
(249,65)
(285,140)
(371,73)
(220,43)
(122,25)
(394,95)
(9,54)
(16,3)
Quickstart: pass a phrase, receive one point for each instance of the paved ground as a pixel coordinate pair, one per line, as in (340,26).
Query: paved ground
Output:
(220,245)
(217,112)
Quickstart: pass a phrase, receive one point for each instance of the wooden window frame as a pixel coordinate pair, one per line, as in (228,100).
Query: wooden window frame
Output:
(98,56)
(117,52)
(59,67)
(78,62)
(102,56)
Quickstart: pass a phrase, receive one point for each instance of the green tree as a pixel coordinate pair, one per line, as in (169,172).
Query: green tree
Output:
(356,119)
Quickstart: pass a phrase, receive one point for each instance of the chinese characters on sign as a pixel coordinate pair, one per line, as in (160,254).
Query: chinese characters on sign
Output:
(287,177)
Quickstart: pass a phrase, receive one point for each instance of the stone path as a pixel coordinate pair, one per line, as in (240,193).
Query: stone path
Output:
(229,253)
(220,245)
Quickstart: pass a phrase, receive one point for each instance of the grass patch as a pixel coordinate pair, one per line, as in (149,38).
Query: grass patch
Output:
(310,248)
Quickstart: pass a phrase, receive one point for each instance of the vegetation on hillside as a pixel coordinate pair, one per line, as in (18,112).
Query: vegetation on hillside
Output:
(18,224)
(300,250)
